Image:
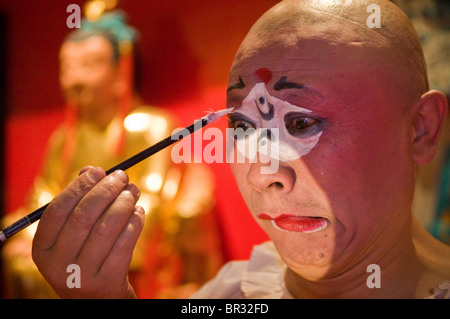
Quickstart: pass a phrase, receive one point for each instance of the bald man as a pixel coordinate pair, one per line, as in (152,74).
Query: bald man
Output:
(351,110)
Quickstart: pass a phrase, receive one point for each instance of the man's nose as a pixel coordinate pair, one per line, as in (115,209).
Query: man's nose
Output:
(73,76)
(280,180)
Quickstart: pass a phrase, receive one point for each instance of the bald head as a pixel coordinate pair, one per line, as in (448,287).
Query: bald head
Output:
(394,47)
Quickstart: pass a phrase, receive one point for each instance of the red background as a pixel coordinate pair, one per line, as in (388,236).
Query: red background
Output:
(186,48)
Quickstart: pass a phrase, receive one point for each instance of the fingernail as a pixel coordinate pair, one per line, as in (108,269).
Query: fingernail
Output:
(96,174)
(85,169)
(134,189)
(121,176)
(139,210)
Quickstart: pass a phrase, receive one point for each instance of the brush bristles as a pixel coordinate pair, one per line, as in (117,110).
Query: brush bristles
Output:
(211,117)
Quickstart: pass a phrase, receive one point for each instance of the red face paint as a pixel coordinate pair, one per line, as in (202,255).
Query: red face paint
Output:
(264,74)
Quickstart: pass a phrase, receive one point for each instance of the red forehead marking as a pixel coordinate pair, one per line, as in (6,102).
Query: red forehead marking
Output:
(264,74)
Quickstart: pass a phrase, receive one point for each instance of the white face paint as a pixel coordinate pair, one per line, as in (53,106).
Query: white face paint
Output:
(290,136)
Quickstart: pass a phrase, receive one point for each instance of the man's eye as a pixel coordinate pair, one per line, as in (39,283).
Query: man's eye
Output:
(301,123)
(303,126)
(240,124)
(237,120)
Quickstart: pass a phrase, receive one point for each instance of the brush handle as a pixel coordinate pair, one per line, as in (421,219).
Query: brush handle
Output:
(22,223)
(139,157)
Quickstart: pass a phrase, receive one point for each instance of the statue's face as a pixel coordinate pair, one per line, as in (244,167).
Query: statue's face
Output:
(88,74)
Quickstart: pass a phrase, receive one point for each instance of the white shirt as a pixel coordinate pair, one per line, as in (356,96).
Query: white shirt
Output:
(262,277)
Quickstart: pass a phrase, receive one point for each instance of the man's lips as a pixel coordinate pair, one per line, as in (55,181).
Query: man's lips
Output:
(302,224)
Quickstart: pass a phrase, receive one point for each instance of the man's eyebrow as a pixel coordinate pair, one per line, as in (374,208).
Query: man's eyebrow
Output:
(283,84)
(308,93)
(240,85)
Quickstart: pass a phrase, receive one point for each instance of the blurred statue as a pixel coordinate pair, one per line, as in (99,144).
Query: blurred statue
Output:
(106,123)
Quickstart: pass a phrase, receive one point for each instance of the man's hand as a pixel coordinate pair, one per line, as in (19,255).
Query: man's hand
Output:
(95,224)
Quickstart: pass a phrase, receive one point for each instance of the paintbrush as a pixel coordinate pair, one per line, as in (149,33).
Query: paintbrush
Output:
(36,215)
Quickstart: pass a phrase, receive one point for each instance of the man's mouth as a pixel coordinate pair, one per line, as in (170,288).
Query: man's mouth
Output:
(302,224)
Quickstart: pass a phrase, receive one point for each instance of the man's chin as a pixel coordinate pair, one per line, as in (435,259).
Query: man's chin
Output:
(305,250)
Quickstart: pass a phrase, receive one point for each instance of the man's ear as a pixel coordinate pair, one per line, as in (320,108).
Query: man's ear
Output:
(429,117)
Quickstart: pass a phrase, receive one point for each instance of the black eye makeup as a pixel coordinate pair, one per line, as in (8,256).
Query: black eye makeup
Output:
(303,125)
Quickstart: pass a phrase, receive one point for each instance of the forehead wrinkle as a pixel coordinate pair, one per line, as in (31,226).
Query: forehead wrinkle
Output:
(236,76)
(284,64)
(323,19)
(358,25)
(303,97)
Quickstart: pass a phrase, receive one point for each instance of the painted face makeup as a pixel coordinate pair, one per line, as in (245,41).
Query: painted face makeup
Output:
(274,127)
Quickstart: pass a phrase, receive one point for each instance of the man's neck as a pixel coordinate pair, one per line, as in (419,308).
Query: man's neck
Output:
(99,118)
(397,270)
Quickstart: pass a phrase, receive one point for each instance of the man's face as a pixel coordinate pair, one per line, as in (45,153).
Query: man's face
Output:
(88,74)
(351,190)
